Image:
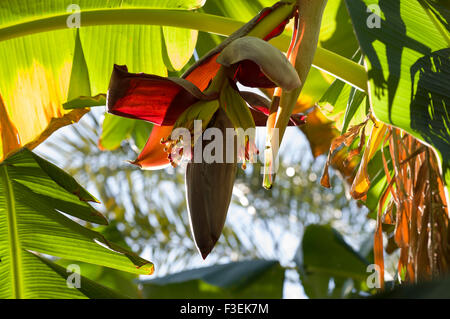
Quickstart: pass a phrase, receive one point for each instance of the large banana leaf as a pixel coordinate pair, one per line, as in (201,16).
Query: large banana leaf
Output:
(408,60)
(38,204)
(118,281)
(42,72)
(245,279)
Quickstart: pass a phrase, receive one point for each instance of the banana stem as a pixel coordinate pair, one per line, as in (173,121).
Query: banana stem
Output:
(310,18)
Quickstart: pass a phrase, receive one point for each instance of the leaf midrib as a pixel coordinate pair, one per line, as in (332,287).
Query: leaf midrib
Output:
(332,63)
(14,244)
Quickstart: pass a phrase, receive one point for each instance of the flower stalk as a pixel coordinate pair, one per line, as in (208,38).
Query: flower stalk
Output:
(302,51)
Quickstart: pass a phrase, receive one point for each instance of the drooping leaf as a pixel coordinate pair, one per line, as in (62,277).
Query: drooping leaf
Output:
(88,288)
(44,279)
(409,69)
(320,132)
(109,283)
(33,196)
(361,183)
(354,106)
(151,98)
(378,181)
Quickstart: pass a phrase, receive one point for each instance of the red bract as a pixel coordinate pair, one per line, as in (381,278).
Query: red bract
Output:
(162,100)
(151,98)
(249,73)
(260,108)
(279,29)
(203,72)
(153,155)
(206,68)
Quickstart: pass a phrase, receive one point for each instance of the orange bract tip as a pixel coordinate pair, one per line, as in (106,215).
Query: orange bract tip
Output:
(153,156)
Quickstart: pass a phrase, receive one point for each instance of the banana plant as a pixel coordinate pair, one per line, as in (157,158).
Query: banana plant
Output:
(398,96)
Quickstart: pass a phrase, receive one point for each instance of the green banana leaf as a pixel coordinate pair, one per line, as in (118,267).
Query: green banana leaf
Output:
(42,72)
(39,208)
(88,288)
(336,32)
(117,281)
(116,129)
(324,255)
(240,280)
(408,61)
(344,104)
(119,284)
